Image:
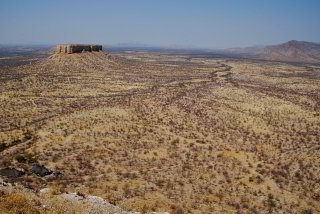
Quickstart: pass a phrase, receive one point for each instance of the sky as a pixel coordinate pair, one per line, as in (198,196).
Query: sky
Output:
(167,23)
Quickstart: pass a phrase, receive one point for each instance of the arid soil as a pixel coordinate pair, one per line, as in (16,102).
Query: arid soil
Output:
(149,131)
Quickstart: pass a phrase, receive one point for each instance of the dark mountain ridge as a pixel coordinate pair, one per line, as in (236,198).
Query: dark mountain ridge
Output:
(292,51)
(295,51)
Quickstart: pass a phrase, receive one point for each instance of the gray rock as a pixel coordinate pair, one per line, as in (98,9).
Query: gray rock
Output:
(11,172)
(40,170)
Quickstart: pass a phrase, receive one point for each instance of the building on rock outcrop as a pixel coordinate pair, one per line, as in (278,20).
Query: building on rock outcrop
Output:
(77,48)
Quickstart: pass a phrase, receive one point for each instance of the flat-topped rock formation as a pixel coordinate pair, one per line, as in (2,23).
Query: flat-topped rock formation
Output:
(77,48)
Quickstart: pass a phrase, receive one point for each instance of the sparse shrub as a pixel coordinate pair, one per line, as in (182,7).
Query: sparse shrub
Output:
(16,142)
(15,200)
(28,135)
(3,146)
(307,211)
(29,156)
(175,141)
(178,211)
(81,194)
(18,203)
(20,158)
(144,209)
(126,190)
(25,157)
(220,155)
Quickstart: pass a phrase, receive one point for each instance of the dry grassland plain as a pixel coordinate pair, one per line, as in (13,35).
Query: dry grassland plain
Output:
(151,131)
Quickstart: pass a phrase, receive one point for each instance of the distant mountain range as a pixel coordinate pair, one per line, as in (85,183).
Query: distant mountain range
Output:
(292,51)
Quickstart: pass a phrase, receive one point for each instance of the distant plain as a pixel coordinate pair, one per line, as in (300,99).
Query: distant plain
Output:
(159,129)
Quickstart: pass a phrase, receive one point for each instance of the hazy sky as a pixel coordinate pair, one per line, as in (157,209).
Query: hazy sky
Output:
(196,23)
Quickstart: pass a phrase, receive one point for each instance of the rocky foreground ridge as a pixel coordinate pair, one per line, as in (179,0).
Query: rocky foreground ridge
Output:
(15,198)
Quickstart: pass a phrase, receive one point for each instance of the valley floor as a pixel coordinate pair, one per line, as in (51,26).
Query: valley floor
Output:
(156,132)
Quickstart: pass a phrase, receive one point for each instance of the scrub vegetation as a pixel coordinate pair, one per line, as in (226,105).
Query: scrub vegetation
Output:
(155,131)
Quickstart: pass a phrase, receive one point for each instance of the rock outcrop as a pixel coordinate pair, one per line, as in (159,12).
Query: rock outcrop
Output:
(40,170)
(11,172)
(77,48)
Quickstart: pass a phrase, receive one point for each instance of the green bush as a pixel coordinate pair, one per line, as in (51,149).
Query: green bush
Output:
(25,157)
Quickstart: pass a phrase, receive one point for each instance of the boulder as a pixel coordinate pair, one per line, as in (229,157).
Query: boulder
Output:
(11,172)
(41,170)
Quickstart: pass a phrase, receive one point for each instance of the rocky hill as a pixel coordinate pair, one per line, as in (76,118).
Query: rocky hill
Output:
(296,51)
(292,51)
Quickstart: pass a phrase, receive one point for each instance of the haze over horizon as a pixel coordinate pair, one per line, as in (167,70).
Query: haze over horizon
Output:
(201,24)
